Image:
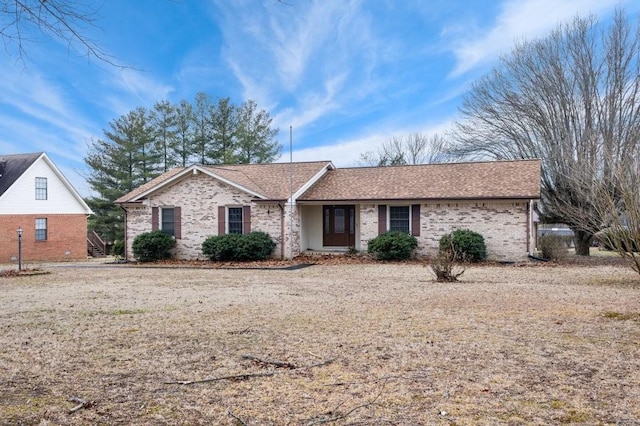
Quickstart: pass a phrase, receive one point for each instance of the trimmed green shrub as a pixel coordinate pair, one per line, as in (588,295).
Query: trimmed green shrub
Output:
(117,249)
(152,246)
(392,245)
(552,247)
(252,246)
(464,245)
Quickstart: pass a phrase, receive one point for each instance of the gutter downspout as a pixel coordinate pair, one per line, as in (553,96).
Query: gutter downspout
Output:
(281,230)
(126,246)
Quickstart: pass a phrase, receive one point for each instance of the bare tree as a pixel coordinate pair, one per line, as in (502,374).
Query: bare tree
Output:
(415,148)
(616,206)
(65,20)
(571,99)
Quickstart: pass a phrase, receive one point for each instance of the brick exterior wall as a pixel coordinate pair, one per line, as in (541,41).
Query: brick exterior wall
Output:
(502,224)
(66,238)
(199,197)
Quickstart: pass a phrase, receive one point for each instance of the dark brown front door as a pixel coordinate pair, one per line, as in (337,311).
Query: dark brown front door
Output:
(339,223)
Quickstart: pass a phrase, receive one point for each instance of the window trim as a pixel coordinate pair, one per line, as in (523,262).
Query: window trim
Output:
(173,220)
(45,229)
(41,192)
(409,216)
(228,221)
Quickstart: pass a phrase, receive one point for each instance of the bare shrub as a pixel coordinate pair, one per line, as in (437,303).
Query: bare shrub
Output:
(447,267)
(553,247)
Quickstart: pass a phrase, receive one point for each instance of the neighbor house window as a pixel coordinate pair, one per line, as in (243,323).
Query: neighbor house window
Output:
(41,229)
(41,188)
(400,218)
(168,221)
(235,220)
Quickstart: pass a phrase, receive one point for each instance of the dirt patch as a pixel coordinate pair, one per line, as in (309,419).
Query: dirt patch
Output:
(336,343)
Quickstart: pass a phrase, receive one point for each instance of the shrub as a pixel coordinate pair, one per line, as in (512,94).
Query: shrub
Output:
(117,249)
(446,268)
(152,246)
(252,246)
(552,247)
(464,245)
(392,245)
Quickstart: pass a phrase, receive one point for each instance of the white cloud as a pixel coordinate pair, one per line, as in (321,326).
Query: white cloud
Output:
(135,88)
(520,20)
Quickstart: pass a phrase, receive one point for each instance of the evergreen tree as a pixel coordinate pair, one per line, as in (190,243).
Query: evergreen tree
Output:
(256,138)
(185,135)
(202,128)
(224,123)
(125,159)
(165,126)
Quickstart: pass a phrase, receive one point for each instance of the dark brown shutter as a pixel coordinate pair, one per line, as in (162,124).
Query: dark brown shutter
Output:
(246,219)
(382,219)
(221,221)
(177,222)
(155,224)
(415,220)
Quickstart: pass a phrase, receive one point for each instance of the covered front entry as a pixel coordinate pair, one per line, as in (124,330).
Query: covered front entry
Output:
(339,223)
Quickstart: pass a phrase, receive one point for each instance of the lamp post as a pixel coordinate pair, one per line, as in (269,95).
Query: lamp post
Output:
(19,231)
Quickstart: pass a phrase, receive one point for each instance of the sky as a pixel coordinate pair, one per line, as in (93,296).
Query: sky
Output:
(344,75)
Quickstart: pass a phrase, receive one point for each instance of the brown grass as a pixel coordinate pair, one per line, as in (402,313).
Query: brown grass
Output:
(506,345)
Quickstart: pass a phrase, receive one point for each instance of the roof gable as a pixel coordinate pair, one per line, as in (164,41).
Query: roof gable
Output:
(271,181)
(477,180)
(13,187)
(13,166)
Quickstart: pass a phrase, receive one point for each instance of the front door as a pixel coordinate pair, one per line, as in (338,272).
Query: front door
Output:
(339,226)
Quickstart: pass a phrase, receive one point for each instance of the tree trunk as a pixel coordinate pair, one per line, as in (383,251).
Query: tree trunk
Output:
(582,241)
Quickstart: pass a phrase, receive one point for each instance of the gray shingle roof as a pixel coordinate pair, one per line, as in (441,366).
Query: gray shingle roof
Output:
(13,166)
(477,180)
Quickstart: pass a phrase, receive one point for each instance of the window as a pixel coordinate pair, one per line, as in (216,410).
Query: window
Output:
(41,188)
(235,220)
(400,218)
(168,221)
(41,229)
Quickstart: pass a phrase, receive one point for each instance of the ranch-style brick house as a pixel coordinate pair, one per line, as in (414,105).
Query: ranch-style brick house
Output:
(317,207)
(37,198)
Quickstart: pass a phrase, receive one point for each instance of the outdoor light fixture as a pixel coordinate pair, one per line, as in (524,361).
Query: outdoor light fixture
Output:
(19,231)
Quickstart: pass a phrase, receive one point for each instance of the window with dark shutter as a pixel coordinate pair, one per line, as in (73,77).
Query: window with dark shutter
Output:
(177,222)
(382,219)
(234,220)
(155,224)
(221,220)
(415,220)
(399,218)
(246,219)
(168,222)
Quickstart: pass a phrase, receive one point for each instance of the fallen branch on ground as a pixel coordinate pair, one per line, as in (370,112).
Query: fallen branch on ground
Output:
(337,417)
(81,404)
(244,376)
(276,363)
(217,379)
(242,422)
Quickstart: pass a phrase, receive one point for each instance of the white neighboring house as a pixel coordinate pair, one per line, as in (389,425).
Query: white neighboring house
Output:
(37,198)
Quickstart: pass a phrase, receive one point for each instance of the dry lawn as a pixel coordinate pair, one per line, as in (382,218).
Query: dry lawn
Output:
(341,344)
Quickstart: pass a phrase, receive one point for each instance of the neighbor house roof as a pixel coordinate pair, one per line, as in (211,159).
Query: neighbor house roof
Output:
(271,181)
(13,166)
(495,180)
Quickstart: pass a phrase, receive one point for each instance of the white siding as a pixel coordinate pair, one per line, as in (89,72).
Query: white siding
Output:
(20,198)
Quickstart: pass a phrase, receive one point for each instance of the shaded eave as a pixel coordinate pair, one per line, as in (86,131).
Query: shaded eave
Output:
(398,200)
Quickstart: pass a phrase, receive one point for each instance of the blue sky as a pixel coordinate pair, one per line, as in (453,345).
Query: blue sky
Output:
(346,74)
